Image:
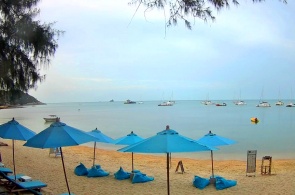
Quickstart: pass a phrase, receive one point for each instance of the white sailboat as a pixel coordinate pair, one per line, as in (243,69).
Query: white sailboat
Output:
(279,102)
(291,104)
(240,102)
(166,103)
(263,103)
(207,101)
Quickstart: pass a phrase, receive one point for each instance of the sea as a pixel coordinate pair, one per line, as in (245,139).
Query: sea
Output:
(273,135)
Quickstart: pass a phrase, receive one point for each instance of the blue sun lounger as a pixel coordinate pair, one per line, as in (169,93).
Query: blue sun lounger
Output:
(5,170)
(16,186)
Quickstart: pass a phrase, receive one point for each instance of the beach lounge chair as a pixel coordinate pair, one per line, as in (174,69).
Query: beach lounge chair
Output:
(18,187)
(54,151)
(5,170)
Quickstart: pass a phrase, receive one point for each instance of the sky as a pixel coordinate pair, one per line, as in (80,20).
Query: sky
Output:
(111,51)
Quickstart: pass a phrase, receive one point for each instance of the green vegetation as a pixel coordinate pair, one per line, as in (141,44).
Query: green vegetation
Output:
(26,46)
(185,9)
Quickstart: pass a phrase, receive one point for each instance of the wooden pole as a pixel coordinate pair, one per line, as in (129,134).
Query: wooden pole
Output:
(13,160)
(168,184)
(132,163)
(212,164)
(94,153)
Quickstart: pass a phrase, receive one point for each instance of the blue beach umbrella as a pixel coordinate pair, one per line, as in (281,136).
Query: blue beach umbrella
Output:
(57,135)
(100,138)
(129,139)
(214,140)
(166,141)
(15,131)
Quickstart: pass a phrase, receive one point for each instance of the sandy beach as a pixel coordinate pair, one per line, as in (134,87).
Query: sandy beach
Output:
(37,164)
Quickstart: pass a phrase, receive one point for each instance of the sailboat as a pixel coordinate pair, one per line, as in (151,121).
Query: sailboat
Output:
(207,101)
(166,103)
(172,101)
(291,104)
(279,102)
(262,103)
(240,102)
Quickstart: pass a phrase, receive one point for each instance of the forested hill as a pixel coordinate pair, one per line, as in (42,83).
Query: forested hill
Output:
(21,99)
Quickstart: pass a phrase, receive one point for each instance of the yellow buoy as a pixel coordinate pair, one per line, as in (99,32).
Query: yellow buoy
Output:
(254,120)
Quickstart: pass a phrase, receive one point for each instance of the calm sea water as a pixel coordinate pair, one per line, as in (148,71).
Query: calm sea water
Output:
(274,135)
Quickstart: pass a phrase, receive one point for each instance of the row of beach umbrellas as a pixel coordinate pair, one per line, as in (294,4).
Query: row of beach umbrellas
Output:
(59,135)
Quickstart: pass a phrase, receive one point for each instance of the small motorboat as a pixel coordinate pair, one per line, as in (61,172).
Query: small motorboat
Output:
(51,118)
(290,105)
(223,104)
(129,102)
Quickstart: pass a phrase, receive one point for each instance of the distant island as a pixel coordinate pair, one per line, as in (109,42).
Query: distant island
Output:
(19,100)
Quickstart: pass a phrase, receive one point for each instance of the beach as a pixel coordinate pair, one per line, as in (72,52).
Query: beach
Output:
(38,164)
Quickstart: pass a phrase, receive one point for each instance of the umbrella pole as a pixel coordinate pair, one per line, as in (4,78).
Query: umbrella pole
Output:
(168,185)
(132,163)
(94,153)
(63,165)
(170,160)
(212,163)
(13,160)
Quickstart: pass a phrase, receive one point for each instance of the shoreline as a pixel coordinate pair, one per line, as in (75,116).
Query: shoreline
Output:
(37,164)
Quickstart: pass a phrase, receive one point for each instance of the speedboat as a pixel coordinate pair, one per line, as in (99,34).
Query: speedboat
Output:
(279,103)
(51,118)
(223,104)
(168,103)
(263,104)
(129,102)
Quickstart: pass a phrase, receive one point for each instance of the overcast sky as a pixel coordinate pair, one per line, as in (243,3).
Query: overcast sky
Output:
(106,53)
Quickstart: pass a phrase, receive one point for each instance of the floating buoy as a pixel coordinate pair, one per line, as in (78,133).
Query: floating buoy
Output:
(254,120)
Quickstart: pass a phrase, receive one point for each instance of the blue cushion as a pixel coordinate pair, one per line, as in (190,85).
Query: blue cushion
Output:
(121,174)
(81,170)
(32,184)
(141,178)
(200,182)
(222,183)
(94,172)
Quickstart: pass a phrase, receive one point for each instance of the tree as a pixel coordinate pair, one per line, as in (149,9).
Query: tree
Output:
(26,45)
(182,9)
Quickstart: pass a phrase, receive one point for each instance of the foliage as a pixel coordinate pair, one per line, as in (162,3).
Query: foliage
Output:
(26,45)
(183,9)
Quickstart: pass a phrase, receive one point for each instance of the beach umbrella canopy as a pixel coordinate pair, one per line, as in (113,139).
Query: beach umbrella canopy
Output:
(129,139)
(166,141)
(100,138)
(58,135)
(15,131)
(214,140)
